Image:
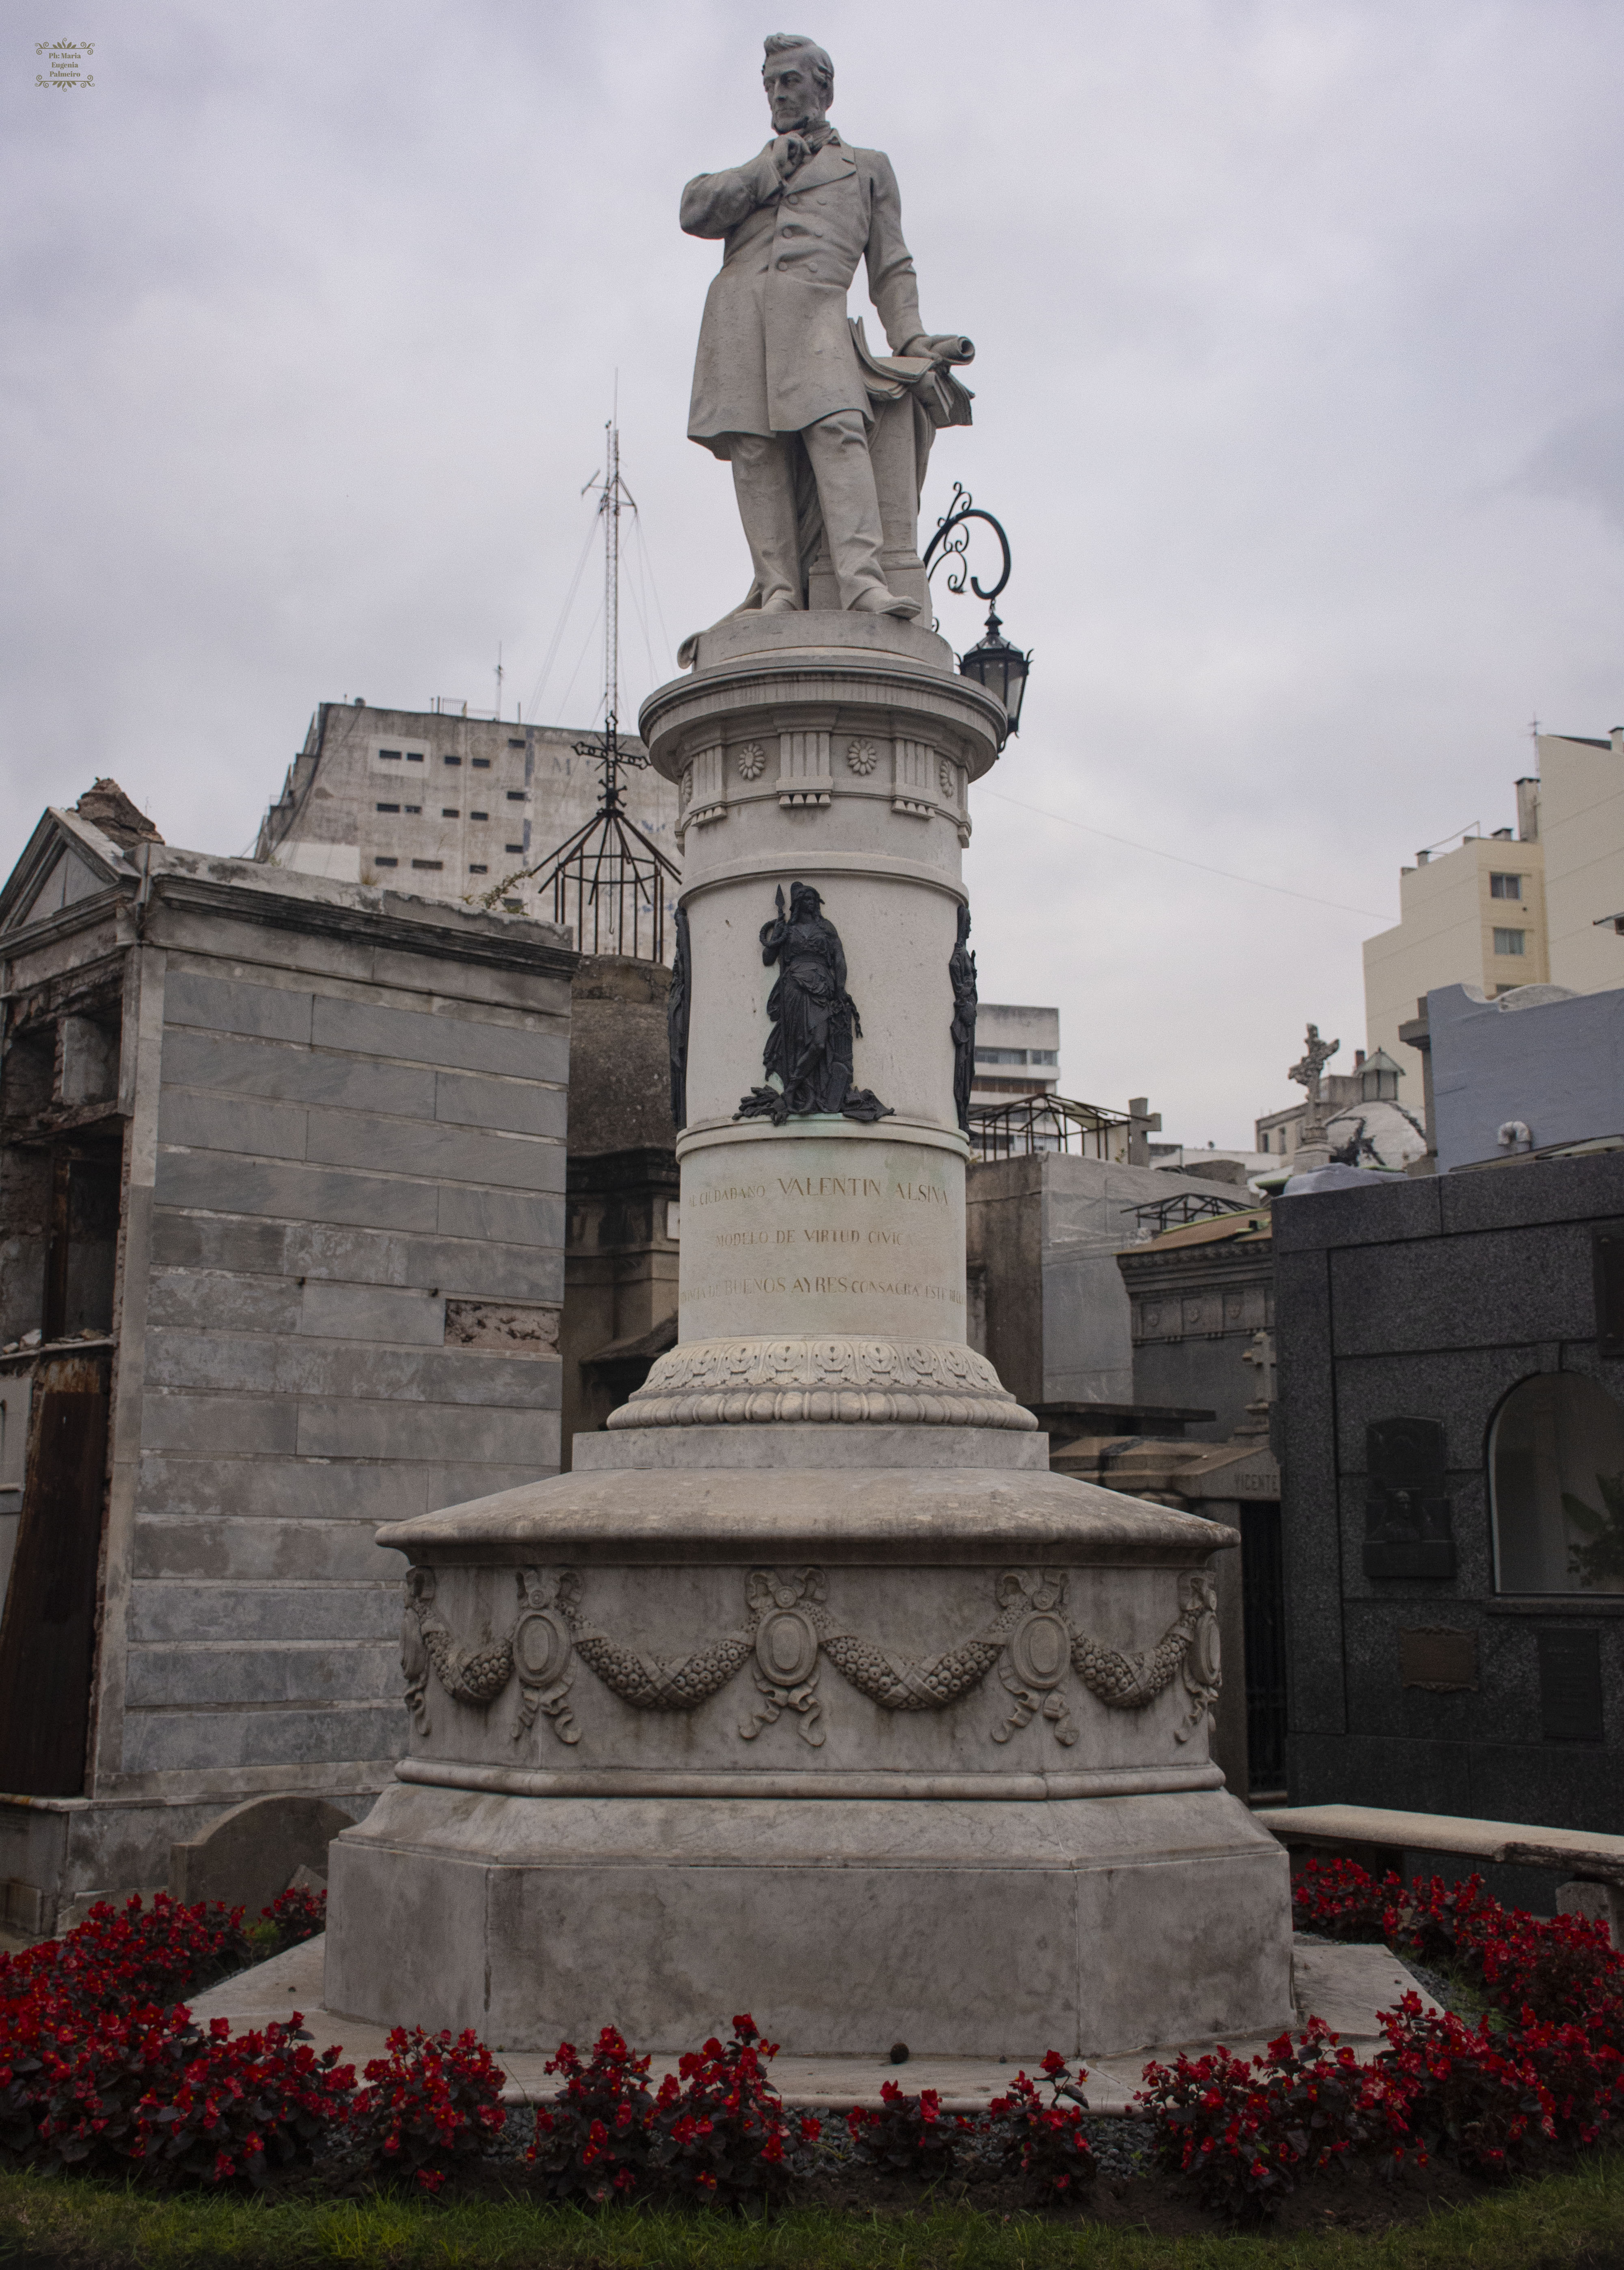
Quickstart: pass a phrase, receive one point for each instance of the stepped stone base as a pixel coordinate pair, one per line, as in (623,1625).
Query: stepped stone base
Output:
(961,1928)
(889,1750)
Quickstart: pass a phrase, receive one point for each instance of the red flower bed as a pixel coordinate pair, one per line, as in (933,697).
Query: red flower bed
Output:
(1583,2075)
(595,2142)
(1337,1899)
(430,2102)
(722,2127)
(1440,1921)
(909,2135)
(120,1960)
(146,2092)
(297,1914)
(1246,2133)
(1046,2144)
(1468,2091)
(1563,1968)
(101,2068)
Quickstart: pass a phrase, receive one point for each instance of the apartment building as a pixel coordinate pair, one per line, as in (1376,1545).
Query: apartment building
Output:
(1473,916)
(1542,905)
(1581,831)
(446,805)
(1017,1052)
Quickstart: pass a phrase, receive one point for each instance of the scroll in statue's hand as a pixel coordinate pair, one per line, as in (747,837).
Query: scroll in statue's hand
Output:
(942,346)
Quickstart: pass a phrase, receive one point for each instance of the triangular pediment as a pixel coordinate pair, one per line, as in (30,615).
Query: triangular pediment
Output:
(67,879)
(66,860)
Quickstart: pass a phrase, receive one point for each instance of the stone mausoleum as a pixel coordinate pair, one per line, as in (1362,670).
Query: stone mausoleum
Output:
(281,1228)
(1451,1355)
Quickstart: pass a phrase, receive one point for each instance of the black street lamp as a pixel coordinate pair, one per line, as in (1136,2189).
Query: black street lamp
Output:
(993,662)
(999,666)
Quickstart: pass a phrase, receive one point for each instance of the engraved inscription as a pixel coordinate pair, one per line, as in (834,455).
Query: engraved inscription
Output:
(874,1216)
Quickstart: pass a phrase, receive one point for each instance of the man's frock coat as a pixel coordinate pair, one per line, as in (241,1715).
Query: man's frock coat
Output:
(776,353)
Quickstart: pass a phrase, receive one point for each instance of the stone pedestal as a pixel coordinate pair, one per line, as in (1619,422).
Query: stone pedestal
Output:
(811,1691)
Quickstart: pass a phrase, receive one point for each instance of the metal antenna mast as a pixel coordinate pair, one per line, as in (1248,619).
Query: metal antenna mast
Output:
(608,881)
(610,506)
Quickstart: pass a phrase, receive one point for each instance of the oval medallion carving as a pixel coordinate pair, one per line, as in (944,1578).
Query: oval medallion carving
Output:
(1041,1649)
(541,1647)
(787,1647)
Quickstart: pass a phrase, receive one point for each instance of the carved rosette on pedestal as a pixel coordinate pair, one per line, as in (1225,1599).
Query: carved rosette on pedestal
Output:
(811,1690)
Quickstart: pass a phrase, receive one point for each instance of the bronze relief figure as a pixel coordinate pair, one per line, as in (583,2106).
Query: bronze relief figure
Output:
(814,1020)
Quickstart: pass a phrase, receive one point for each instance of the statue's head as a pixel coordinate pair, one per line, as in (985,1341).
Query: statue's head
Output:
(799,80)
(806,905)
(964,922)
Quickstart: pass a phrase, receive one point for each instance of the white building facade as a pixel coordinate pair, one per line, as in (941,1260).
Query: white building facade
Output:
(443,805)
(1017,1052)
(1533,907)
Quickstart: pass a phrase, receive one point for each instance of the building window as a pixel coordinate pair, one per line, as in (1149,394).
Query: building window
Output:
(414,807)
(1556,1471)
(480,764)
(513,847)
(515,795)
(433,865)
(414,756)
(516,744)
(379,861)
(1509,941)
(388,756)
(1002,1055)
(450,761)
(1505,887)
(386,807)
(478,815)
(1043,1056)
(449,812)
(475,869)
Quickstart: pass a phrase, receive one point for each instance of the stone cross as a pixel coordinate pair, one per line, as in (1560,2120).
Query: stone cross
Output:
(1260,1352)
(1315,1057)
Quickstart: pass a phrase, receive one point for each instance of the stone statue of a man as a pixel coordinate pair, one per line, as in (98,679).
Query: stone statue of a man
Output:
(778,388)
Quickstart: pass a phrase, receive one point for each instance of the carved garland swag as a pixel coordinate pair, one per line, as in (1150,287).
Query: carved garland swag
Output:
(788,1631)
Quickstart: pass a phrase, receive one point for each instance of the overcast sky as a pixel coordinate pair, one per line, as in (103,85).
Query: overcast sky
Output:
(1298,390)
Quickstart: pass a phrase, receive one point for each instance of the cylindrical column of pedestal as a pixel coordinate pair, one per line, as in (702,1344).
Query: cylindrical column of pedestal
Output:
(836,752)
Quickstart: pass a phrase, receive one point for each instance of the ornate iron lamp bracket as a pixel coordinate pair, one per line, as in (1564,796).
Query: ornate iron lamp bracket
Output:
(952,537)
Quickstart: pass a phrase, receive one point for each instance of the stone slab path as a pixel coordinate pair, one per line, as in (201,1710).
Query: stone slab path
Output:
(1344,1985)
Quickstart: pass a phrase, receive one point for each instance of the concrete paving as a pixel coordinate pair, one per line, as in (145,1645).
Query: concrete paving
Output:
(1344,1985)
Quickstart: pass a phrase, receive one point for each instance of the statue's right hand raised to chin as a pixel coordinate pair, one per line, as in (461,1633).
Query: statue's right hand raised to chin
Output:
(787,151)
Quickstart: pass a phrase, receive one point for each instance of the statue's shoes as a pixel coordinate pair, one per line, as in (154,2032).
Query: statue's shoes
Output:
(885,602)
(782,602)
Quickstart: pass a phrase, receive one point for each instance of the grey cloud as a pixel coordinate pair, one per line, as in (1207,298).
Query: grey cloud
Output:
(1290,324)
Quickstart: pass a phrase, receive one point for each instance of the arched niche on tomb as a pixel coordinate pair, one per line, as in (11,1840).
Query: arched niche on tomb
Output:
(1556,1481)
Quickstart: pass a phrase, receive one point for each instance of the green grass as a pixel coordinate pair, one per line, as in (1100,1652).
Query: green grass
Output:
(1565,2222)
